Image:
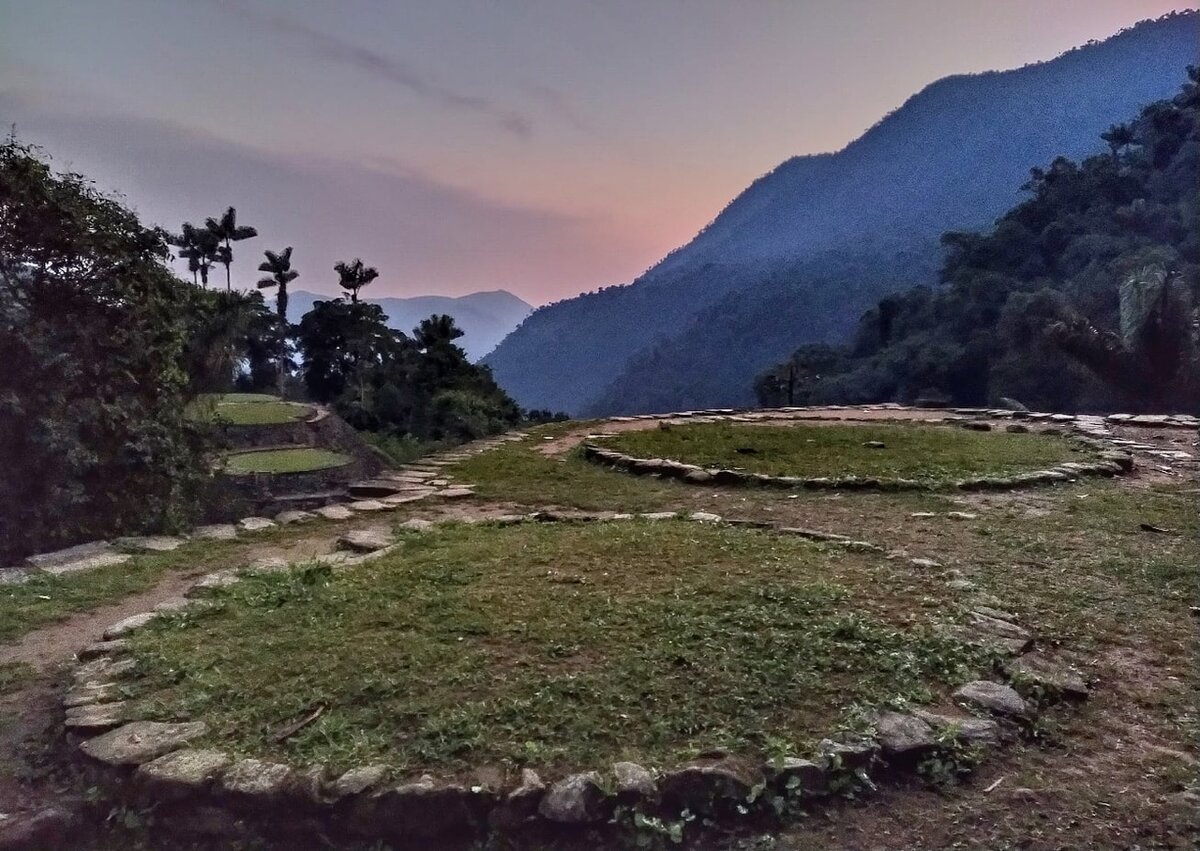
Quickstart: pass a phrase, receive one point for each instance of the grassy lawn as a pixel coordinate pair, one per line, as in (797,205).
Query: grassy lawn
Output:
(556,646)
(922,452)
(297,460)
(248,409)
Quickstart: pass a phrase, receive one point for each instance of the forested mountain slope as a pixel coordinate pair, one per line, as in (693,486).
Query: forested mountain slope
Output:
(805,249)
(1084,296)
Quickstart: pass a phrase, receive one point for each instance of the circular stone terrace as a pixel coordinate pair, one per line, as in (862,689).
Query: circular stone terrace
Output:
(527,674)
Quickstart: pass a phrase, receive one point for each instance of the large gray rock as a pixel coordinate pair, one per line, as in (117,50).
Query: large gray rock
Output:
(287,518)
(103,670)
(182,774)
(356,781)
(89,693)
(903,736)
(966,728)
(992,697)
(576,799)
(335,512)
(849,756)
(100,649)
(256,783)
(1054,677)
(633,782)
(706,788)
(255,524)
(141,741)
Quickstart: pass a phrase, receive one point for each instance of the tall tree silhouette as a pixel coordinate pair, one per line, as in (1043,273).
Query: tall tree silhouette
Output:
(353,276)
(199,247)
(279,274)
(438,328)
(227,231)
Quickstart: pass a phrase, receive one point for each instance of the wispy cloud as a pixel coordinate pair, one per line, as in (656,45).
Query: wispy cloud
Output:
(378,65)
(558,103)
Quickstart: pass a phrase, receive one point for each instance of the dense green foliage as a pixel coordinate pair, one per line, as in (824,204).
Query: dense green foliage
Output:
(807,248)
(381,380)
(1081,297)
(93,338)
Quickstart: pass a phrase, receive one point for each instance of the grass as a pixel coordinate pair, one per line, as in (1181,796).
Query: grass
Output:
(248,409)
(926,453)
(297,460)
(555,646)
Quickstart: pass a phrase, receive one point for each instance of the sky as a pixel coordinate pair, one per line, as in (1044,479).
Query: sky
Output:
(546,147)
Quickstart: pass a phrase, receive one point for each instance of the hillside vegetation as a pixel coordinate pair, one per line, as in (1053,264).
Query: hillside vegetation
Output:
(1082,296)
(807,248)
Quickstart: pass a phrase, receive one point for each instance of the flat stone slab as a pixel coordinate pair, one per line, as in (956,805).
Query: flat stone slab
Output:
(335,512)
(375,488)
(129,624)
(367,505)
(150,543)
(456,493)
(101,649)
(70,554)
(182,774)
(417,525)
(141,741)
(967,728)
(286,518)
(16,575)
(220,579)
(97,717)
(216,532)
(992,697)
(90,693)
(255,524)
(366,540)
(255,779)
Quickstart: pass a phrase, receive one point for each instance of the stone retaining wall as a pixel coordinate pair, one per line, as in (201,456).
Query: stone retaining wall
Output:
(209,793)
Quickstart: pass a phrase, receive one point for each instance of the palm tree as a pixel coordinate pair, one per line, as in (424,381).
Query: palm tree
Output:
(199,247)
(227,231)
(1118,136)
(354,276)
(280,274)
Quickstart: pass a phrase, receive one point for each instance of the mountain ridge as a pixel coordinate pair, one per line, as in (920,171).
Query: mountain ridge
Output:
(952,157)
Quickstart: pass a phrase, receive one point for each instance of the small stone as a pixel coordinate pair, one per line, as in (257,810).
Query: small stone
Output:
(96,717)
(875,444)
(1016,428)
(992,697)
(255,524)
(129,624)
(977,425)
(220,579)
(922,515)
(256,782)
(902,736)
(356,781)
(182,774)
(576,799)
(705,517)
(141,741)
(799,776)
(1052,676)
(659,515)
(998,614)
(960,585)
(961,515)
(634,782)
(216,532)
(926,563)
(705,788)
(998,626)
(286,518)
(366,540)
(456,493)
(335,512)
(94,692)
(417,525)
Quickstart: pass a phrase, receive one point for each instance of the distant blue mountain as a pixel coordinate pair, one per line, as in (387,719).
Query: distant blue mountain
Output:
(801,253)
(485,317)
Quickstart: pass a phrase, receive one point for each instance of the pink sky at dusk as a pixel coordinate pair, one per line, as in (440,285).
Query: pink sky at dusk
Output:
(541,146)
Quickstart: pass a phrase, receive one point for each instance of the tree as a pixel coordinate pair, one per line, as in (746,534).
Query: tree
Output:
(437,330)
(353,276)
(199,247)
(94,432)
(227,231)
(1118,137)
(279,274)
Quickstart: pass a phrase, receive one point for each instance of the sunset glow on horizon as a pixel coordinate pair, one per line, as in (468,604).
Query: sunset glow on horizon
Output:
(542,147)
